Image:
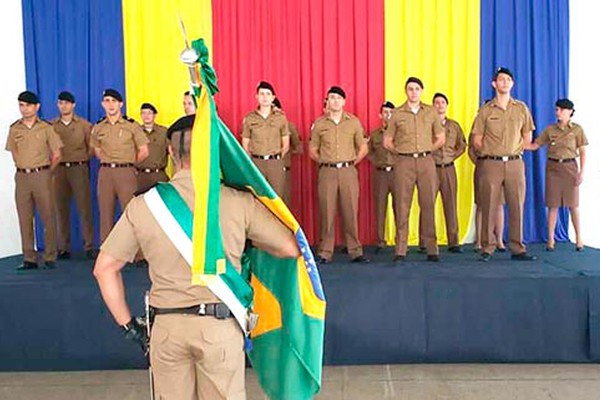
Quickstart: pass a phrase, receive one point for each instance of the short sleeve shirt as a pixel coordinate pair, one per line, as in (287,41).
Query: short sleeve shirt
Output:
(413,133)
(31,147)
(118,142)
(157,148)
(76,138)
(380,156)
(295,145)
(265,133)
(563,142)
(454,145)
(337,142)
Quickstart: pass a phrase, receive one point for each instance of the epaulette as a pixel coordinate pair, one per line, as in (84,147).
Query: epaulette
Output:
(144,189)
(100,120)
(126,118)
(14,123)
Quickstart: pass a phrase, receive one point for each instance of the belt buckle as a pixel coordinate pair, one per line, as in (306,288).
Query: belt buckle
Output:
(505,158)
(415,155)
(113,165)
(339,165)
(560,160)
(67,164)
(388,169)
(28,170)
(202,309)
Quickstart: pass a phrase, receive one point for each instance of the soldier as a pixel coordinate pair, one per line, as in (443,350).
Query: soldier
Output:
(189,105)
(266,137)
(118,143)
(199,355)
(337,144)
(501,128)
(444,157)
(412,134)
(31,141)
(567,142)
(296,148)
(383,173)
(152,169)
(72,176)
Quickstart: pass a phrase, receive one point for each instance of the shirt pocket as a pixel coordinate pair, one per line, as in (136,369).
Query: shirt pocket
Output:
(494,125)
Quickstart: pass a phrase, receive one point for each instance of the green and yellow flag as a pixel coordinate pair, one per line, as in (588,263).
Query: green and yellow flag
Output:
(287,342)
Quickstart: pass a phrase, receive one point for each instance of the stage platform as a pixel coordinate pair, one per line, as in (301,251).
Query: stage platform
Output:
(458,310)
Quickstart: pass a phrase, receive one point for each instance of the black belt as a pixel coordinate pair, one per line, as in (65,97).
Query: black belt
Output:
(32,170)
(217,310)
(150,170)
(343,164)
(562,160)
(415,155)
(386,168)
(444,165)
(501,158)
(286,169)
(268,157)
(70,164)
(116,165)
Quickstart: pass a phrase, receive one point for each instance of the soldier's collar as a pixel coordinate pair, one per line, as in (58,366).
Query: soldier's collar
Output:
(36,120)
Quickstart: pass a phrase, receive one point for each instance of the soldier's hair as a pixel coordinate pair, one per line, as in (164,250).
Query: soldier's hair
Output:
(181,142)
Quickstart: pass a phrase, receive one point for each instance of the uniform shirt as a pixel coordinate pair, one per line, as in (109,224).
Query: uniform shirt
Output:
(564,142)
(295,145)
(75,137)
(242,217)
(337,142)
(473,153)
(265,133)
(31,147)
(455,143)
(157,148)
(503,130)
(413,133)
(379,155)
(119,141)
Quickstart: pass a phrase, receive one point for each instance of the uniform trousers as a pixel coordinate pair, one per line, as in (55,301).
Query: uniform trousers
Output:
(408,173)
(383,185)
(339,185)
(287,191)
(274,172)
(496,177)
(73,181)
(34,190)
(197,358)
(148,179)
(113,183)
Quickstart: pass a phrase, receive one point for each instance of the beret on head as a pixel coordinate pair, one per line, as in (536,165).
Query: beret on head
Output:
(416,80)
(66,96)
(182,124)
(503,70)
(565,103)
(442,95)
(265,85)
(112,93)
(29,97)
(148,106)
(388,104)
(336,90)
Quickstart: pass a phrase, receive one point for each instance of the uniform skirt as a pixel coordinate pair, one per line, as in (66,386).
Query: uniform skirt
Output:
(561,184)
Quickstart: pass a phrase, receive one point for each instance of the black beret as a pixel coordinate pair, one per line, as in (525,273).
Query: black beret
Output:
(148,106)
(503,70)
(336,90)
(265,85)
(277,103)
(66,96)
(182,124)
(442,95)
(565,103)
(29,97)
(388,104)
(413,79)
(112,93)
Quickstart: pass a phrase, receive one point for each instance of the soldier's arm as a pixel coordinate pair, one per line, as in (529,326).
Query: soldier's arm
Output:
(582,159)
(142,153)
(107,272)
(363,150)
(268,233)
(246,144)
(55,159)
(440,139)
(285,145)
(527,144)
(461,144)
(314,144)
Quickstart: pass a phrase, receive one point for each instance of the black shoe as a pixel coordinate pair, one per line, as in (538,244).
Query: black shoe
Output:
(344,250)
(523,257)
(485,257)
(433,258)
(322,260)
(477,250)
(63,255)
(455,249)
(422,250)
(91,254)
(49,265)
(27,265)
(579,248)
(399,258)
(378,250)
(550,248)
(361,260)
(501,249)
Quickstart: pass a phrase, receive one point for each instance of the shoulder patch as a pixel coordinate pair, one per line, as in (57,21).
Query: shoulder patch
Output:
(126,118)
(16,122)
(100,120)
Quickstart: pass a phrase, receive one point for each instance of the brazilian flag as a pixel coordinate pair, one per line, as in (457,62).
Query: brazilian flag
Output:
(287,342)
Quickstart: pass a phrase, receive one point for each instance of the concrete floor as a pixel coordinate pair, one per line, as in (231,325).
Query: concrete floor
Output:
(406,382)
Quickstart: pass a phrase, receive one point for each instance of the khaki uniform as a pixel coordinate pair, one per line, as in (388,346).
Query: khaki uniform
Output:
(118,143)
(30,148)
(191,355)
(338,146)
(444,158)
(561,167)
(265,145)
(72,179)
(412,135)
(152,169)
(501,168)
(383,180)
(295,148)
